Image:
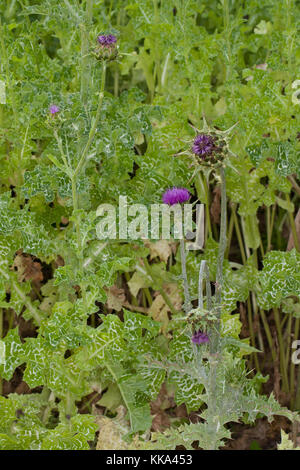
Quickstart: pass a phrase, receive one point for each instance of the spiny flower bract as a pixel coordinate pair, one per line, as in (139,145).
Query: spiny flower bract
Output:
(176,196)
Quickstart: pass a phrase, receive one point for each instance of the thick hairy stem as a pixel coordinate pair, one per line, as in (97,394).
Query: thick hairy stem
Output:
(94,125)
(47,396)
(60,146)
(283,369)
(85,60)
(202,186)
(116,73)
(215,336)
(187,306)
(204,271)
(229,234)
(293,226)
(222,243)
(220,261)
(75,209)
(239,235)
(70,405)
(268,334)
(82,160)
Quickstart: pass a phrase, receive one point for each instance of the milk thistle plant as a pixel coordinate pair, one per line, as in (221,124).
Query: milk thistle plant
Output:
(141,337)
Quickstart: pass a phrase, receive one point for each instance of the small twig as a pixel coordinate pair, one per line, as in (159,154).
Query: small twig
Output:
(135,308)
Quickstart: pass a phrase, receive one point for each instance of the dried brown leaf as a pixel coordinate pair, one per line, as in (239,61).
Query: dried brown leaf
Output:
(115,298)
(161,249)
(27,268)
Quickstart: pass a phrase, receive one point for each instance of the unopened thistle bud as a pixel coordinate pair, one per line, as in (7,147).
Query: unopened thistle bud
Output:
(106,48)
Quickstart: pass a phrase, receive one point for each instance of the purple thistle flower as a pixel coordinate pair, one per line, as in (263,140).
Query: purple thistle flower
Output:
(203,145)
(107,40)
(200,338)
(175,195)
(53,109)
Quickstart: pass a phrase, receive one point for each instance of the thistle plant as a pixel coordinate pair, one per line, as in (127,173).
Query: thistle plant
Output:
(219,378)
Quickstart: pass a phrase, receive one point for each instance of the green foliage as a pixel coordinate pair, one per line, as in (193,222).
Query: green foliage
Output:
(22,428)
(279,278)
(286,443)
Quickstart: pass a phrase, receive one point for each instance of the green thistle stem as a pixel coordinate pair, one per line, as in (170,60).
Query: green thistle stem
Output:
(281,351)
(204,270)
(220,261)
(94,126)
(187,306)
(293,226)
(215,337)
(84,155)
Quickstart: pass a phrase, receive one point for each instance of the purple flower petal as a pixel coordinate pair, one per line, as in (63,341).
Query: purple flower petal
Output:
(203,145)
(176,196)
(200,338)
(53,109)
(107,40)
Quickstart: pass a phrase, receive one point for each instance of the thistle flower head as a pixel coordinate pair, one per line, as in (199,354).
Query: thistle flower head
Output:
(107,47)
(200,338)
(54,109)
(176,196)
(210,146)
(107,40)
(204,145)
